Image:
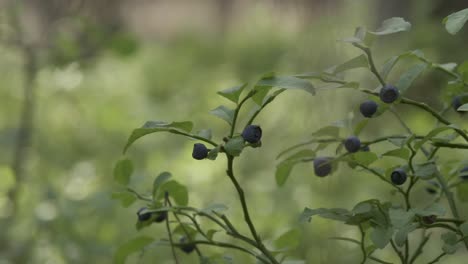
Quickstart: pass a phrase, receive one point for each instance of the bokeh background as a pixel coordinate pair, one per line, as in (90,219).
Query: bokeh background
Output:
(77,76)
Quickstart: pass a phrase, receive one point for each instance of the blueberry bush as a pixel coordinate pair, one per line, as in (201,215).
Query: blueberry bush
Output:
(381,224)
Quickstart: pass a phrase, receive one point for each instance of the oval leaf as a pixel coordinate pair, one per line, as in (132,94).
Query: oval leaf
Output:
(130,247)
(122,171)
(157,126)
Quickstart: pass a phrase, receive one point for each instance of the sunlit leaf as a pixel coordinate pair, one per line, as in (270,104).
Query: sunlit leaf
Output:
(233,93)
(455,21)
(158,126)
(392,25)
(403,153)
(288,82)
(224,113)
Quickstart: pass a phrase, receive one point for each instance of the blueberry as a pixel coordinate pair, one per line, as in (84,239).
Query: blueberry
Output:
(398,176)
(457,102)
(365,148)
(352,144)
(162,216)
(252,134)
(429,220)
(464,173)
(322,166)
(368,108)
(143,216)
(199,151)
(389,94)
(186,247)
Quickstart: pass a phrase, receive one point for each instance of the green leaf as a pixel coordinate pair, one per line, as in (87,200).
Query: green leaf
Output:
(399,142)
(392,25)
(403,153)
(462,192)
(356,62)
(463,108)
(288,82)
(409,76)
(380,236)
(425,170)
(450,242)
(360,126)
(261,93)
(464,228)
(288,240)
(283,169)
(364,158)
(210,233)
(182,229)
(158,126)
(433,209)
(224,113)
(130,247)
(162,178)
(400,218)
(282,172)
(213,154)
(176,190)
(126,199)
(122,171)
(446,66)
(455,21)
(331,131)
(388,66)
(234,146)
(402,234)
(233,93)
(338,214)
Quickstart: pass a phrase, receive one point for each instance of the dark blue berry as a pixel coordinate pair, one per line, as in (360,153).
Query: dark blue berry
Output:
(352,144)
(365,148)
(199,151)
(398,177)
(464,173)
(457,102)
(143,216)
(252,134)
(162,216)
(322,166)
(368,108)
(389,94)
(186,247)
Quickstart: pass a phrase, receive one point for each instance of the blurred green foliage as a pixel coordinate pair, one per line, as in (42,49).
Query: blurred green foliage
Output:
(86,110)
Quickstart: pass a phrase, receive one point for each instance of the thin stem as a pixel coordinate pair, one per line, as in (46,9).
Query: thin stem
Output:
(139,196)
(227,245)
(400,255)
(373,69)
(248,220)
(419,249)
(450,145)
(183,229)
(236,112)
(174,131)
(437,258)
(363,246)
(269,100)
(168,228)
